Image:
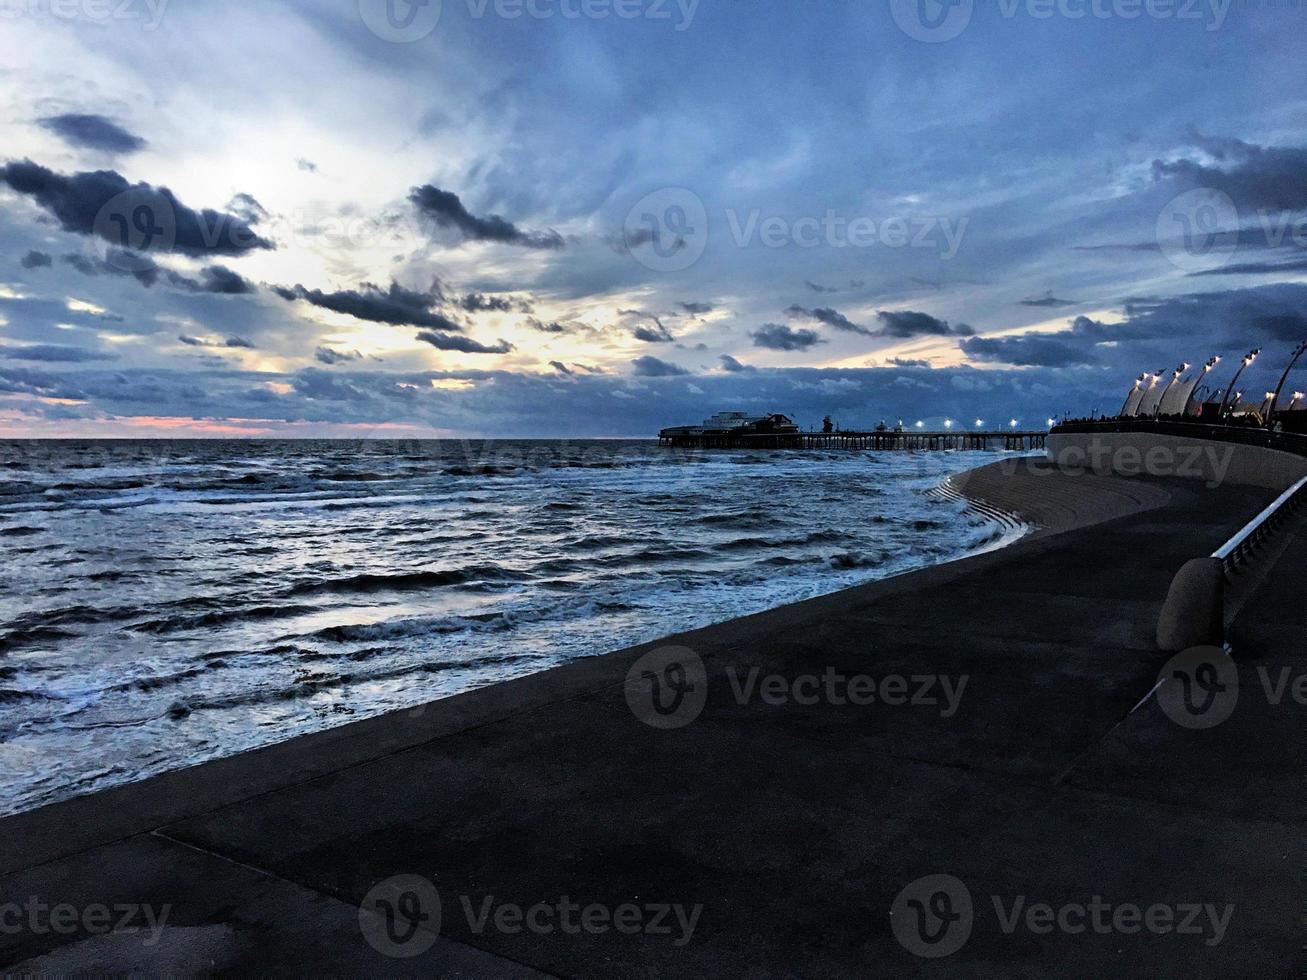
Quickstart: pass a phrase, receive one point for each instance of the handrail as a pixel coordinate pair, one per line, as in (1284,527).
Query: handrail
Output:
(1234,551)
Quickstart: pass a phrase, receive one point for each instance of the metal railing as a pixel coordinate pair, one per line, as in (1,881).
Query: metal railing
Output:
(1241,547)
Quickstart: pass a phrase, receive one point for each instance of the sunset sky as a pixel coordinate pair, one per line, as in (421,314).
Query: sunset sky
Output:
(334,219)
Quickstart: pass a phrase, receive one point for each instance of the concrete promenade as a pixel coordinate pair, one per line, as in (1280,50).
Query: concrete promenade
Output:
(773,831)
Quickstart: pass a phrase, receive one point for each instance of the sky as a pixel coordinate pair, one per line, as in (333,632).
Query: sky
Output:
(596,218)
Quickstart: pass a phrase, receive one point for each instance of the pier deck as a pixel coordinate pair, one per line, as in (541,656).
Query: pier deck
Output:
(794,826)
(908,439)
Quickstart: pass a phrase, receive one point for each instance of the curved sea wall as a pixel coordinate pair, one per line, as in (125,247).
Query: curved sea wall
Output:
(1162,454)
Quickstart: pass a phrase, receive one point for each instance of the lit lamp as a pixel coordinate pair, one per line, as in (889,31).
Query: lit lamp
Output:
(948,423)
(1247,361)
(1013,423)
(1207,369)
(1297,353)
(920,424)
(979,423)
(1052,422)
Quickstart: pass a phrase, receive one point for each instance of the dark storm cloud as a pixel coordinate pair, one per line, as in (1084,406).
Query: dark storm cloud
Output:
(466,345)
(484,303)
(778,336)
(733,366)
(93,131)
(696,309)
(326,355)
(652,367)
(552,327)
(832,318)
(1048,300)
(51,353)
(1162,331)
(1255,268)
(648,327)
(229,342)
(1031,350)
(561,368)
(1255,177)
(101,202)
(908,323)
(447,211)
(216,279)
(36,260)
(395,305)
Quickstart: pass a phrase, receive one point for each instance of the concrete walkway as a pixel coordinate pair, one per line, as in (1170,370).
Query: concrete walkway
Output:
(773,832)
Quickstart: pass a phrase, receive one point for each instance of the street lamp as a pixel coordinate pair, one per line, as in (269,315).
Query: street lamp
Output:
(1297,353)
(979,423)
(1013,423)
(920,424)
(948,423)
(1247,360)
(1207,369)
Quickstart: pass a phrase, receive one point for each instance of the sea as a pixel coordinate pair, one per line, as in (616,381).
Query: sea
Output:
(163,603)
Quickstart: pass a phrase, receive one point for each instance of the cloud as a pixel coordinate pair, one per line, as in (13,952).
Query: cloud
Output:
(1047,299)
(908,323)
(395,305)
(652,332)
(120,262)
(94,132)
(1255,268)
(832,318)
(652,367)
(308,166)
(1030,350)
(561,368)
(817,287)
(36,260)
(732,366)
(230,342)
(102,203)
(1255,177)
(466,345)
(696,309)
(326,355)
(448,211)
(909,362)
(51,353)
(552,327)
(485,303)
(778,336)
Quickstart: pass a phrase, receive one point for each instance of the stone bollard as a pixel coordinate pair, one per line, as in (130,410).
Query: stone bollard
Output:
(1194,613)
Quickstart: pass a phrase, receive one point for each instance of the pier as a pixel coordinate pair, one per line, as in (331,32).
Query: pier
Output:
(914,440)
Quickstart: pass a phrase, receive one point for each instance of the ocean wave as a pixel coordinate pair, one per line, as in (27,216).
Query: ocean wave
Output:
(406,581)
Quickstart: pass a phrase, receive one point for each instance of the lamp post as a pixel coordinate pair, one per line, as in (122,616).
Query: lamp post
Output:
(1207,369)
(1185,366)
(1275,395)
(1248,359)
(1130,397)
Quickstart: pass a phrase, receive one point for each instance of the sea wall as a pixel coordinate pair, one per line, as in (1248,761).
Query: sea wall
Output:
(1157,454)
